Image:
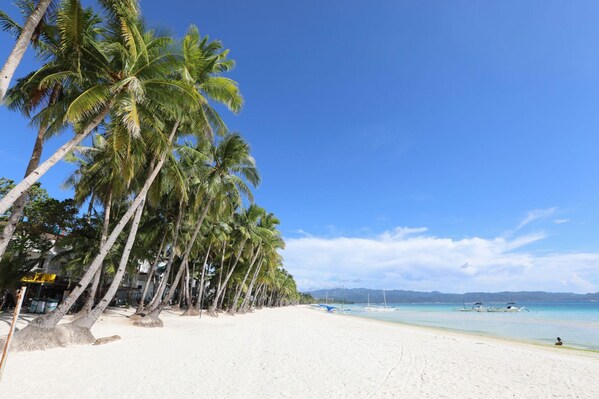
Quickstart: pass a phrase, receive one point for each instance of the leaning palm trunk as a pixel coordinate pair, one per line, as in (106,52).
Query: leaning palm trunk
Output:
(263,296)
(19,205)
(184,262)
(155,302)
(89,320)
(234,306)
(220,291)
(191,310)
(155,311)
(246,302)
(11,197)
(51,319)
(258,296)
(89,303)
(222,266)
(16,55)
(201,290)
(140,305)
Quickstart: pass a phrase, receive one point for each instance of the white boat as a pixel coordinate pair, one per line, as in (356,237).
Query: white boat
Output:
(509,307)
(477,307)
(379,308)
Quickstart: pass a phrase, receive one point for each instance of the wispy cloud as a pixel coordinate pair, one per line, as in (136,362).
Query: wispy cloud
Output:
(536,214)
(409,258)
(304,233)
(560,221)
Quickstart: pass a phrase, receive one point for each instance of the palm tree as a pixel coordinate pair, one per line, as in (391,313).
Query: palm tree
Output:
(64,48)
(257,241)
(105,174)
(203,62)
(272,243)
(138,84)
(245,231)
(126,69)
(25,35)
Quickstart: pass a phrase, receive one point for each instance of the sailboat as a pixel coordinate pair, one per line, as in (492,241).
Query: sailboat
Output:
(379,308)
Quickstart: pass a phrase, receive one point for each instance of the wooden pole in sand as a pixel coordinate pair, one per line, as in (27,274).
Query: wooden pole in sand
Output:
(15,316)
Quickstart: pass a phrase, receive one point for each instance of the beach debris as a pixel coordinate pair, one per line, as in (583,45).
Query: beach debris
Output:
(148,322)
(107,340)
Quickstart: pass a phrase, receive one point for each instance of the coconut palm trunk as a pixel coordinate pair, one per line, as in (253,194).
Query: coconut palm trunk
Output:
(51,319)
(185,261)
(221,289)
(201,287)
(151,272)
(16,55)
(155,302)
(185,295)
(258,296)
(263,296)
(222,267)
(246,300)
(187,291)
(89,320)
(171,293)
(234,306)
(89,303)
(11,197)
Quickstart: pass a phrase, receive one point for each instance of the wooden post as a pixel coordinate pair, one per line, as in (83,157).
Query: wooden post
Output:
(15,316)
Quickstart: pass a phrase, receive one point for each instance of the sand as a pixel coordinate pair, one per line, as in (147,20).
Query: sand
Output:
(296,352)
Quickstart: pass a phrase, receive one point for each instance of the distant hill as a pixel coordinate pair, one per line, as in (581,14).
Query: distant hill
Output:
(360,295)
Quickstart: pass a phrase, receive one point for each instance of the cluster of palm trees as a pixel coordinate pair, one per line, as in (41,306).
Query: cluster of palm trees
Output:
(172,185)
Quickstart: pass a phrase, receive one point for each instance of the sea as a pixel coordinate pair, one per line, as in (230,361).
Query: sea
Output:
(576,323)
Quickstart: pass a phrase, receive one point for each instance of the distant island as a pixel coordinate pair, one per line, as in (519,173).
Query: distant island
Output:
(362,295)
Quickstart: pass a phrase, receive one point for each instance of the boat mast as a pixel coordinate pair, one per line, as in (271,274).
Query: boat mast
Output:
(384,298)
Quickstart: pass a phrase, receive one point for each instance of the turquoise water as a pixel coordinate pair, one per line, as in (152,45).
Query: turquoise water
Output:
(576,323)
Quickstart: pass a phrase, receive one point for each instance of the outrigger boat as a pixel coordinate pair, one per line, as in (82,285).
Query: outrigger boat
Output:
(379,308)
(509,307)
(477,307)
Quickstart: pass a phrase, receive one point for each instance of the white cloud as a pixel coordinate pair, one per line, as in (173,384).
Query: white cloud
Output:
(561,221)
(536,214)
(408,258)
(304,233)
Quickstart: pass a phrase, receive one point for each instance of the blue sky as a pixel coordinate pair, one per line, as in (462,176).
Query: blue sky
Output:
(463,131)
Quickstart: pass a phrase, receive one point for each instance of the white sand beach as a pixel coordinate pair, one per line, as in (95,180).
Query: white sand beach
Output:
(296,352)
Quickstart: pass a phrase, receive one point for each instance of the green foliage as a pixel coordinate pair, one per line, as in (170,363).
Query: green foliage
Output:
(306,299)
(158,96)
(44,221)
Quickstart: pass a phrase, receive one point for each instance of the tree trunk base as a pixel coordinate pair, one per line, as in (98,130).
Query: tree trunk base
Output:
(191,312)
(212,313)
(33,338)
(82,313)
(136,316)
(149,322)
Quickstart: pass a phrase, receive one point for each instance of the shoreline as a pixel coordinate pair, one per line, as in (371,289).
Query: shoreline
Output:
(297,352)
(480,334)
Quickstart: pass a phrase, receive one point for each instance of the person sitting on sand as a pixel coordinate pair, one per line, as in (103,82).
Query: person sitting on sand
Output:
(559,341)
